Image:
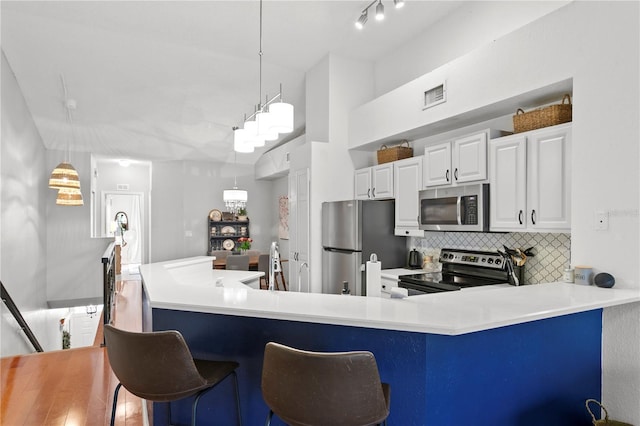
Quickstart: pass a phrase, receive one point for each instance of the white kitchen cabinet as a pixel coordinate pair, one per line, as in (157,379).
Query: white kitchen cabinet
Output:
(407,182)
(437,165)
(374,183)
(299,229)
(530,177)
(458,161)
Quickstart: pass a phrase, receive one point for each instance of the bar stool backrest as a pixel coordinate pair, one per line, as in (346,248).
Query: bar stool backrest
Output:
(315,388)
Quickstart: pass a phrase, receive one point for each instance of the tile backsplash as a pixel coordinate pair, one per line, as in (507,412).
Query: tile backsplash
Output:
(553,251)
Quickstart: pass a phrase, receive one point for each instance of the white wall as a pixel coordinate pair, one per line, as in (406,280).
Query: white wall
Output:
(183,193)
(23,196)
(597,44)
(469,27)
(74,267)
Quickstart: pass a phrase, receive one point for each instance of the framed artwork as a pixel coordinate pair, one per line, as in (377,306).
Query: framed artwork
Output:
(283,225)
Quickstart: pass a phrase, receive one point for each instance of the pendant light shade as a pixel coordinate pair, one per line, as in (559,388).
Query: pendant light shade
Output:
(69,197)
(251,135)
(64,176)
(265,132)
(240,141)
(281,117)
(235,196)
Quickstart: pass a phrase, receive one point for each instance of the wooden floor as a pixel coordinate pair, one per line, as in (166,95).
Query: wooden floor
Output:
(72,387)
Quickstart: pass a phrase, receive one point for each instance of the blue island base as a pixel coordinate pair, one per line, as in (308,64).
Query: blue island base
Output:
(530,374)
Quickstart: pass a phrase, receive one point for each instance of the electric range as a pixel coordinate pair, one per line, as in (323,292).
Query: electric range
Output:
(460,269)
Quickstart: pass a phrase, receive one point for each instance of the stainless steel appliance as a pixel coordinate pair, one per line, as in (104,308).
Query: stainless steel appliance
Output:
(456,208)
(351,231)
(461,269)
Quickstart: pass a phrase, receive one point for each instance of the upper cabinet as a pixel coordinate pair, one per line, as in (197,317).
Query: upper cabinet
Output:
(408,181)
(530,177)
(374,183)
(458,161)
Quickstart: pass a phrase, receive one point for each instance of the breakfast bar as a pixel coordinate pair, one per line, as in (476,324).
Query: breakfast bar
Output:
(505,355)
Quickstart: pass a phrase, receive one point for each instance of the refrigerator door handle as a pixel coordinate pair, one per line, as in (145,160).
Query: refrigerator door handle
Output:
(337,250)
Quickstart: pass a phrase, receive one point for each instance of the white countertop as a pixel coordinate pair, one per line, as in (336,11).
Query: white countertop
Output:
(189,285)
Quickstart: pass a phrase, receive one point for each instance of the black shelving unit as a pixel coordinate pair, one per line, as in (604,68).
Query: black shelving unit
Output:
(220,231)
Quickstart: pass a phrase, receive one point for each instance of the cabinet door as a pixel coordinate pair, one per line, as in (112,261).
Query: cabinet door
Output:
(408,181)
(469,160)
(437,165)
(549,197)
(299,230)
(363,184)
(508,183)
(382,181)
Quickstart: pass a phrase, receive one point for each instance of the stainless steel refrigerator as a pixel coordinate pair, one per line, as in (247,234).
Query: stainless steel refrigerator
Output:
(351,231)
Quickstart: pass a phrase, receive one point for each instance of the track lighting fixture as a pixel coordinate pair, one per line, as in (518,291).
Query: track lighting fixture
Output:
(379,12)
(362,20)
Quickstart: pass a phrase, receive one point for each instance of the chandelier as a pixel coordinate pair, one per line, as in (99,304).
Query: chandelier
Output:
(267,121)
(235,199)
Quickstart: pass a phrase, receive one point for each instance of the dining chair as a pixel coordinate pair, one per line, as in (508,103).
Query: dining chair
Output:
(323,388)
(158,366)
(238,262)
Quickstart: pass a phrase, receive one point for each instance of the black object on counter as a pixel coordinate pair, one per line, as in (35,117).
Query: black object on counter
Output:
(604,280)
(415,259)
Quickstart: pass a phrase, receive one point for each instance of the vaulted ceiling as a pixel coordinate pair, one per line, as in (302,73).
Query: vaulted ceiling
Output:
(169,80)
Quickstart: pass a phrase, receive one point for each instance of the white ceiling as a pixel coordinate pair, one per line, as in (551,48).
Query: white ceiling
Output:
(168,80)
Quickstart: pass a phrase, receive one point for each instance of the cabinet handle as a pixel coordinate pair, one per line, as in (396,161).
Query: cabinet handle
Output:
(369,193)
(533,217)
(373,193)
(520,217)
(455,173)
(447,175)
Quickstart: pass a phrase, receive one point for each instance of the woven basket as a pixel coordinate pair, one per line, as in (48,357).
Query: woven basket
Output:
(543,117)
(398,152)
(605,421)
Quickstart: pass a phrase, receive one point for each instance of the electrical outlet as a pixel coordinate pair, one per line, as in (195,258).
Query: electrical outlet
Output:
(601,222)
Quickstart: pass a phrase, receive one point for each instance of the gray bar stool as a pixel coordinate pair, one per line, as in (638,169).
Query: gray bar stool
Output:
(158,367)
(322,388)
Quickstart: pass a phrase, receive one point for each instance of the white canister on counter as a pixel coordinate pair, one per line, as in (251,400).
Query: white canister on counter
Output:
(568,275)
(583,275)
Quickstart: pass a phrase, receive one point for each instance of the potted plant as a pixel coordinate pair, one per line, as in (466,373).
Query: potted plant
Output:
(245,243)
(242,214)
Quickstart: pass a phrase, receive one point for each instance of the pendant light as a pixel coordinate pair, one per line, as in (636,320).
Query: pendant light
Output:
(65,177)
(235,199)
(268,120)
(69,197)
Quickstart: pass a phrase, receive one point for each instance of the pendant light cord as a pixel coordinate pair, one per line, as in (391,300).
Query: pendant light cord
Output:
(69,117)
(260,61)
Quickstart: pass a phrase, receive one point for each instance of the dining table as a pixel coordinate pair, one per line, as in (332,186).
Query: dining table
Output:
(221,263)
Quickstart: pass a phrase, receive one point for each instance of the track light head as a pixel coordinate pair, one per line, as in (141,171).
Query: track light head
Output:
(379,11)
(361,20)
(398,3)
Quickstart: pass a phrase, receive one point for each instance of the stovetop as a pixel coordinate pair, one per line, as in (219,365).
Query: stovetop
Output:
(460,269)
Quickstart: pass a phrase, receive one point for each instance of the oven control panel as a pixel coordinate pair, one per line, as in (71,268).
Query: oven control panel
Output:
(485,259)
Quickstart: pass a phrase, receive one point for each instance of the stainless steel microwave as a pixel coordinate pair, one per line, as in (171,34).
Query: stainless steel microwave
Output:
(455,208)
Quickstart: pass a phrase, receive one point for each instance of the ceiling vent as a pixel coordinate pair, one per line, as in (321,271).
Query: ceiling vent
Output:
(435,96)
